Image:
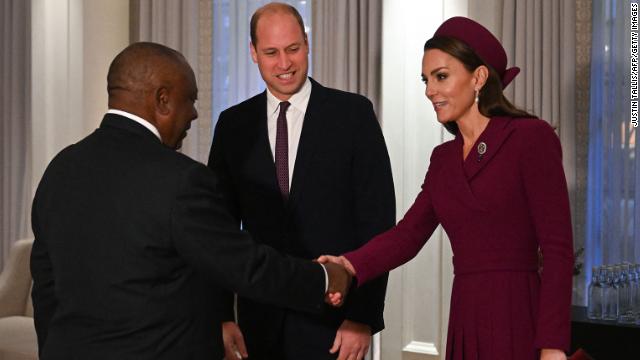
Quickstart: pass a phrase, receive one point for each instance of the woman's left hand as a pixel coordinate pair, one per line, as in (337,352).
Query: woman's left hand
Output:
(552,354)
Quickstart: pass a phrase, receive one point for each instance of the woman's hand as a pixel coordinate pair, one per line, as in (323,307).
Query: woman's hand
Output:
(552,354)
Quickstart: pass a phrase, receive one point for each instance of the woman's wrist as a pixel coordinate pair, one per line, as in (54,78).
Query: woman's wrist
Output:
(552,354)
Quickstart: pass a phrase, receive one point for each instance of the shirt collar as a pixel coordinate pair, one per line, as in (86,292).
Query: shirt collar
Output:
(299,100)
(137,119)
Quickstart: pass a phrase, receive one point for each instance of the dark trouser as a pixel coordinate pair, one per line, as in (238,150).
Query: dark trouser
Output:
(300,339)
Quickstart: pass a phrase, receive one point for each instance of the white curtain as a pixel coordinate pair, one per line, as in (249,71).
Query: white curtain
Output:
(15,116)
(539,37)
(179,25)
(583,83)
(347,40)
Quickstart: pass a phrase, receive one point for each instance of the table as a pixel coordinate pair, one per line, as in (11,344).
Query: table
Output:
(603,340)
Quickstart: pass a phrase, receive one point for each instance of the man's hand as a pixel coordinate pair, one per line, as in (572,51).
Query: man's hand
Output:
(339,283)
(340,260)
(353,340)
(233,340)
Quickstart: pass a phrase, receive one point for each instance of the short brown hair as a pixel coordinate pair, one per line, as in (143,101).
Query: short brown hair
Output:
(274,7)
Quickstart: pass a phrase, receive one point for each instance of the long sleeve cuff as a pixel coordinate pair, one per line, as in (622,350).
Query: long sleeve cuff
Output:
(326,279)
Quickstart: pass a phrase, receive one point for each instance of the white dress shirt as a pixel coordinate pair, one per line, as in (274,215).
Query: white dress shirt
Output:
(295,118)
(137,119)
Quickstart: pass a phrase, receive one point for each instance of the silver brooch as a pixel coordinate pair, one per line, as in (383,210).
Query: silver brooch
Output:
(482,148)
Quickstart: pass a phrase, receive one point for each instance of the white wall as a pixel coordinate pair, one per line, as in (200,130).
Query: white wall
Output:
(72,44)
(418,295)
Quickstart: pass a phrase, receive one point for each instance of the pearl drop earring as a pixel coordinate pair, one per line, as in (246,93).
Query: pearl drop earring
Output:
(477,94)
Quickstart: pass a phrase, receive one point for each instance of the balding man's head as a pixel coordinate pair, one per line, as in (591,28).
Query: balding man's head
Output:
(156,83)
(142,66)
(273,8)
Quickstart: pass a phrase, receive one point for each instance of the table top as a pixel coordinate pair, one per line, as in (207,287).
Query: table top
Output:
(579,315)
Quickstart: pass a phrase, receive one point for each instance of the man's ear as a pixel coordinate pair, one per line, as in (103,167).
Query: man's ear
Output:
(254,52)
(306,42)
(162,101)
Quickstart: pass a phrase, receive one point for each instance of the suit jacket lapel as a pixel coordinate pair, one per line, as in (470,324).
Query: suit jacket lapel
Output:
(454,180)
(459,176)
(493,137)
(309,139)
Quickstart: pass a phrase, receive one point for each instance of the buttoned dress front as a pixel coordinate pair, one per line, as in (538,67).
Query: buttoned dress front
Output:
(499,206)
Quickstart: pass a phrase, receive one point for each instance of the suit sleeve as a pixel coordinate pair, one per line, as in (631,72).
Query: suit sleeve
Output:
(43,295)
(207,237)
(546,191)
(219,166)
(374,200)
(401,243)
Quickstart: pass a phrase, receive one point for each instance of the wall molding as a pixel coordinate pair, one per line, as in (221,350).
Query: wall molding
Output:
(418,347)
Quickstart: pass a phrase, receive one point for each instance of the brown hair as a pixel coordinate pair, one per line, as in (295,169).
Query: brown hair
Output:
(491,100)
(274,7)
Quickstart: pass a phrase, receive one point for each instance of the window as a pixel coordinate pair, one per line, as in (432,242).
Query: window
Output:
(613,221)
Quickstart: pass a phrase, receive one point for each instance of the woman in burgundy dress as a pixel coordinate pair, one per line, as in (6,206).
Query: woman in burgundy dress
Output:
(498,190)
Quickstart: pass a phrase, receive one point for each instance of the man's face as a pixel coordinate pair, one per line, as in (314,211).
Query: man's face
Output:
(180,110)
(281,53)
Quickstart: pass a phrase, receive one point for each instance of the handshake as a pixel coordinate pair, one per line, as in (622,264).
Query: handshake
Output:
(340,273)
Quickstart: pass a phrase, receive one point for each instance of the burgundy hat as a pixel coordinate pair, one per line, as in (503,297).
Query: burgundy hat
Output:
(485,45)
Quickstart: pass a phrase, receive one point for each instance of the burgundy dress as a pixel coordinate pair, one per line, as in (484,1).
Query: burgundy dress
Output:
(497,209)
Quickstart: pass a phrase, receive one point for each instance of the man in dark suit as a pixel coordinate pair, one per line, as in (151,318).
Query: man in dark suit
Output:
(305,169)
(132,241)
